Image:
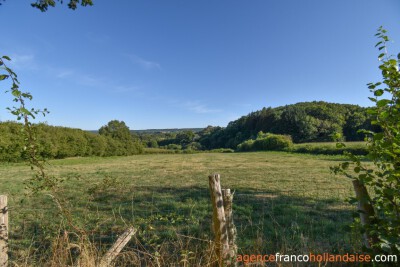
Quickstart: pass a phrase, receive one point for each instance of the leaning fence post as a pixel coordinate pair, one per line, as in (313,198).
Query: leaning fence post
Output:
(113,252)
(3,231)
(219,221)
(231,229)
(366,211)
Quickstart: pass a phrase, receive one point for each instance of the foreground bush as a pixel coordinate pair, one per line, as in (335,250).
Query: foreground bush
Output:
(377,187)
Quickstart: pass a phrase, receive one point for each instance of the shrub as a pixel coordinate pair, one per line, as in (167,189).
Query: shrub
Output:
(266,141)
(174,147)
(193,146)
(152,143)
(246,145)
(273,142)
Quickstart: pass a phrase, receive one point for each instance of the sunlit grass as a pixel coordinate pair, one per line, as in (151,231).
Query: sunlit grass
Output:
(283,202)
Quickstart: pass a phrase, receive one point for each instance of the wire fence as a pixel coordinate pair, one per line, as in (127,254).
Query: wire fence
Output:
(177,222)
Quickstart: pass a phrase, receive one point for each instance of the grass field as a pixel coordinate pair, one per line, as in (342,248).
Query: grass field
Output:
(283,202)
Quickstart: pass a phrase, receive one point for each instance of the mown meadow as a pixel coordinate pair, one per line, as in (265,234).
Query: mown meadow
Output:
(283,202)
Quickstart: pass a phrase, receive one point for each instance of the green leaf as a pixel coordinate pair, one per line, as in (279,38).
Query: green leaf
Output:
(6,57)
(383,102)
(379,92)
(393,62)
(16,93)
(3,77)
(384,115)
(27,95)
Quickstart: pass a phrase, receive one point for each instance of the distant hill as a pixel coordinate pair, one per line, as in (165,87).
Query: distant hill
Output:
(316,121)
(172,130)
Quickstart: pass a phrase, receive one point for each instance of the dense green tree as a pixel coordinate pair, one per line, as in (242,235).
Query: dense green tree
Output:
(120,141)
(97,145)
(152,143)
(116,130)
(11,142)
(184,138)
(295,122)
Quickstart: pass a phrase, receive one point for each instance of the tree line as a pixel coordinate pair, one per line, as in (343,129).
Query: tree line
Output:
(54,142)
(302,122)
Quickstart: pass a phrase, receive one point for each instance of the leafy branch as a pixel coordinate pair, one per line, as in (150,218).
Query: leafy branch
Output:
(22,113)
(378,188)
(40,181)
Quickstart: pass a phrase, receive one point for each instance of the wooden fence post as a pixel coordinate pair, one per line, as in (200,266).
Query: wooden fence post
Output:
(3,231)
(366,211)
(113,252)
(231,229)
(219,221)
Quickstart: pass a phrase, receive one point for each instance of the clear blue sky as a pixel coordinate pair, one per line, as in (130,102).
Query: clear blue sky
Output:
(176,63)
